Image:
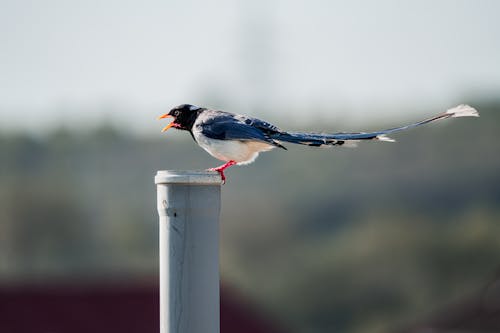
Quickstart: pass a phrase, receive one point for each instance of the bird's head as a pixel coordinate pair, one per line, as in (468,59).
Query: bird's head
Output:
(184,117)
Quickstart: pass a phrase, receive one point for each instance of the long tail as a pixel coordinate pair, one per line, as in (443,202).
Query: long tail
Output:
(338,139)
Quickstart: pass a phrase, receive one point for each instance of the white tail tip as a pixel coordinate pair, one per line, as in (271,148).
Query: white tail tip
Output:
(385,138)
(463,110)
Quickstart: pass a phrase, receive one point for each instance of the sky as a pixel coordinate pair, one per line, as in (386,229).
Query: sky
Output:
(85,61)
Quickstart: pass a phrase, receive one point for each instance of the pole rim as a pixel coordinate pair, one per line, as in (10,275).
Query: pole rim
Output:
(188,177)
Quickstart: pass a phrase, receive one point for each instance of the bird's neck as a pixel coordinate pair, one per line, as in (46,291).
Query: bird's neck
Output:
(190,120)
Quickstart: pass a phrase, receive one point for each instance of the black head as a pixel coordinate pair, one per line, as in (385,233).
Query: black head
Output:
(184,116)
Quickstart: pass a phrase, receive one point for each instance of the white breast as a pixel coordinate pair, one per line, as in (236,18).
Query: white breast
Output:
(242,152)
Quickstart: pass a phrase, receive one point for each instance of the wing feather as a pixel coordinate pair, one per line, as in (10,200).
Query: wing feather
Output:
(225,126)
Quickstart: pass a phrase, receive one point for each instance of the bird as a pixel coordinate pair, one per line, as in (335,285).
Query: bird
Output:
(238,139)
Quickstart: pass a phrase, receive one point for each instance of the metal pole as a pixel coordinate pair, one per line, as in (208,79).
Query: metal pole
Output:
(189,207)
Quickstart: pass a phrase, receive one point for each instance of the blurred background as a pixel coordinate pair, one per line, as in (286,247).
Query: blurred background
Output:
(382,238)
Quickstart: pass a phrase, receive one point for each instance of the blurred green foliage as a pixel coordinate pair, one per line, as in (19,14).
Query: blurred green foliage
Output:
(340,240)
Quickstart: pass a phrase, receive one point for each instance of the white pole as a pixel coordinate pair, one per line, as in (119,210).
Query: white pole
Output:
(189,207)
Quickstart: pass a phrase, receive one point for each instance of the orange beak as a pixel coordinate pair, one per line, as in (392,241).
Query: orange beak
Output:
(163,116)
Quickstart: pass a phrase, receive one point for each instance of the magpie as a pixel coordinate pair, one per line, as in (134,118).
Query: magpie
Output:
(238,139)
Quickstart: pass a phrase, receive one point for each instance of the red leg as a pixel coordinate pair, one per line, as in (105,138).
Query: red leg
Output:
(220,170)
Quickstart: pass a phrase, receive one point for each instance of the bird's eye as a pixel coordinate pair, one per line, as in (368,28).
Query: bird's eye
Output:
(176,113)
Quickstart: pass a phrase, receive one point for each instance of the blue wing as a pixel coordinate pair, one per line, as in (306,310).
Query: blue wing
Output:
(226,126)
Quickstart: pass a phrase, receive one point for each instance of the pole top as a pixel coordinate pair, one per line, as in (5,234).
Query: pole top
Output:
(188,177)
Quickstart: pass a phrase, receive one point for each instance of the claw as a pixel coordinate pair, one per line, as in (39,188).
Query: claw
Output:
(221,173)
(220,170)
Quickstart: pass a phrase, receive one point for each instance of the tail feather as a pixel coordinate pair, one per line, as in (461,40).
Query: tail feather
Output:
(462,110)
(350,139)
(385,138)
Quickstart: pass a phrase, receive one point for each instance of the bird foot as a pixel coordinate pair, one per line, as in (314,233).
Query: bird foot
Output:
(221,173)
(220,170)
